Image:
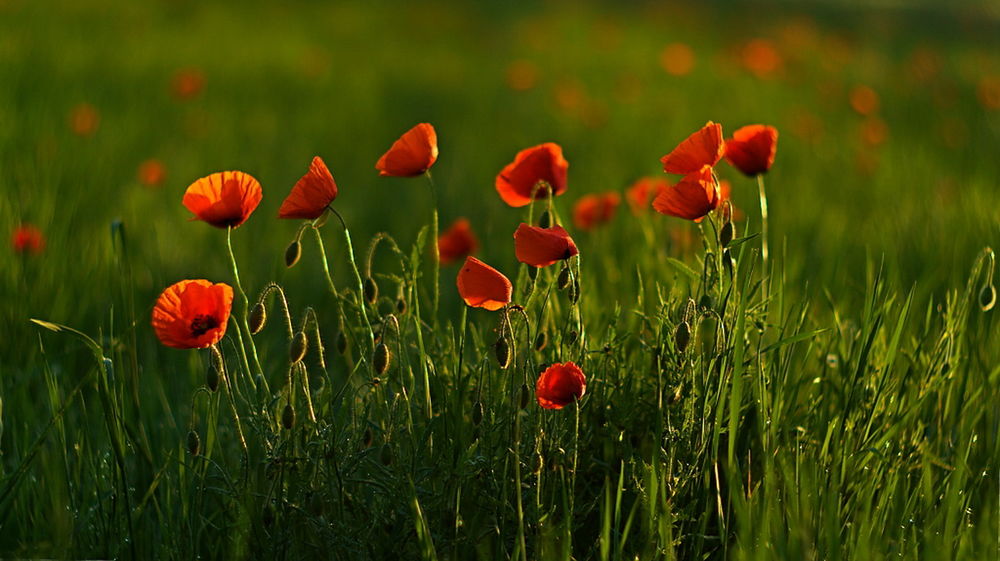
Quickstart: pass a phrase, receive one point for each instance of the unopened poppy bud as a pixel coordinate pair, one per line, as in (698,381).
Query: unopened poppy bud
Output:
(726,234)
(381,358)
(368,438)
(563,281)
(194,443)
(682,336)
(257,319)
(292,253)
(288,416)
(545,220)
(341,342)
(524,398)
(477,413)
(987,297)
(370,290)
(385,455)
(400,305)
(541,340)
(212,378)
(297,349)
(502,349)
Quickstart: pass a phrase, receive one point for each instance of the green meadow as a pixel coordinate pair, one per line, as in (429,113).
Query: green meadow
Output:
(840,401)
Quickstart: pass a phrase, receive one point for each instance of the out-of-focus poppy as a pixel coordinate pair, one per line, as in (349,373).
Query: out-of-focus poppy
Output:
(224,199)
(702,148)
(83,120)
(522,75)
(590,211)
(642,191)
(457,242)
(27,239)
(874,131)
(412,155)
(761,58)
(677,59)
(691,198)
(152,173)
(988,92)
(192,314)
(311,194)
(752,148)
(482,286)
(864,100)
(543,163)
(560,385)
(187,83)
(541,247)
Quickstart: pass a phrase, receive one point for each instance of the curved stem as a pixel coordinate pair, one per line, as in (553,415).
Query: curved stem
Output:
(244,327)
(357,278)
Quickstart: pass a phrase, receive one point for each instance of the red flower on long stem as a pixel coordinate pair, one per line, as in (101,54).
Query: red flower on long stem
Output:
(192,314)
(590,211)
(311,194)
(702,148)
(642,191)
(517,181)
(752,148)
(27,239)
(541,247)
(225,199)
(482,286)
(457,242)
(559,385)
(412,155)
(692,197)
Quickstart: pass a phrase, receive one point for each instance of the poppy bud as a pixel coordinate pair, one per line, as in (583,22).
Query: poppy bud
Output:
(726,234)
(292,253)
(194,443)
(477,413)
(288,416)
(212,378)
(385,455)
(400,305)
(682,336)
(563,281)
(728,263)
(370,291)
(257,319)
(574,294)
(368,438)
(541,341)
(502,349)
(381,358)
(545,220)
(341,342)
(524,398)
(987,297)
(297,349)
(706,302)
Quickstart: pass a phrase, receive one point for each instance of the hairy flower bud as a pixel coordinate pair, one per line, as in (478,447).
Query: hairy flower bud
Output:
(297,348)
(381,358)
(257,318)
(292,253)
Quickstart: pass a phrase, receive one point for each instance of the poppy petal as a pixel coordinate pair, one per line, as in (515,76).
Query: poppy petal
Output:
(192,314)
(457,242)
(482,286)
(225,199)
(541,247)
(312,194)
(752,149)
(560,385)
(413,154)
(704,147)
(691,198)
(517,180)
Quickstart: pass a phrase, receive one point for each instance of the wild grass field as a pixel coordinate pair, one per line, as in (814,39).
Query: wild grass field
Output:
(840,401)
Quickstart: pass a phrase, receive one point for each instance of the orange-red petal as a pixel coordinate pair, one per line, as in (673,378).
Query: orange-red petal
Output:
(752,149)
(482,286)
(413,154)
(560,385)
(27,239)
(224,199)
(192,314)
(312,194)
(691,198)
(590,211)
(642,192)
(457,242)
(541,247)
(702,148)
(517,180)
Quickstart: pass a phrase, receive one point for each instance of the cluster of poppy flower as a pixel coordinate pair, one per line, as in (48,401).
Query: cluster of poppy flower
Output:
(195,313)
(27,238)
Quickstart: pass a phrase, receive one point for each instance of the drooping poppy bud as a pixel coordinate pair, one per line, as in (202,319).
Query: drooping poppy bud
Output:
(370,290)
(381,358)
(297,348)
(288,416)
(257,318)
(193,443)
(502,350)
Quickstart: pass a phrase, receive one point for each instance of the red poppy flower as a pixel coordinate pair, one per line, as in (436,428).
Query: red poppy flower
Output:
(413,154)
(593,210)
(223,199)
(152,173)
(83,120)
(642,191)
(692,198)
(192,314)
(457,242)
(702,148)
(541,247)
(516,181)
(27,238)
(560,385)
(311,195)
(482,286)
(187,83)
(751,149)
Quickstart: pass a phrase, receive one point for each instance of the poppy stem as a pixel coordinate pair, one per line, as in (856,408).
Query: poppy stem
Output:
(243,318)
(763,221)
(435,250)
(326,265)
(357,277)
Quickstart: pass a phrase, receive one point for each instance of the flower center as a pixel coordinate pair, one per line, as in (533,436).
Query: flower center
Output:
(202,324)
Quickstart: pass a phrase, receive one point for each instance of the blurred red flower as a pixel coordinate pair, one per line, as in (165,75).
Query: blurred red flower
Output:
(457,242)
(702,148)
(27,239)
(642,191)
(224,199)
(543,163)
(83,120)
(152,173)
(187,83)
(590,211)
(752,148)
(192,314)
(691,198)
(311,194)
(412,155)
(482,286)
(541,247)
(559,385)
(677,59)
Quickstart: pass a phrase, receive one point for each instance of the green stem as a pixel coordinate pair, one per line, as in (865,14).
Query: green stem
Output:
(243,319)
(435,252)
(326,265)
(763,221)
(357,277)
